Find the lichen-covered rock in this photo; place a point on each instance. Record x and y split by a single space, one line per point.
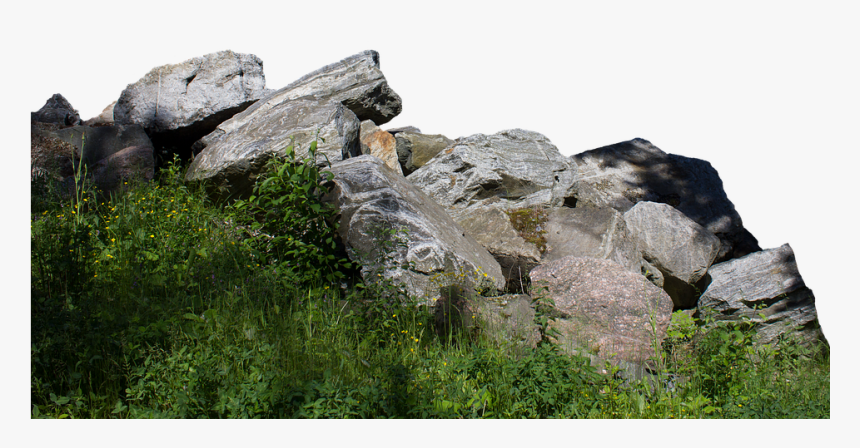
623 174
57 110
232 163
414 149
765 282
378 143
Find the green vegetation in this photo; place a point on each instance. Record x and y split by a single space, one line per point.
157 303
530 224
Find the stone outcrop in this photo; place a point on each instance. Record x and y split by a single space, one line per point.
768 283
378 143
178 104
232 163
675 245
356 81
135 162
414 149
607 309
372 199
100 142
57 110
103 119
592 233
623 174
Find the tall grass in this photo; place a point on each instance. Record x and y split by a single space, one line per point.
156 303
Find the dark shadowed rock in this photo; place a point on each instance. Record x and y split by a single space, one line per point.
57 110
232 163
623 174
511 165
180 103
379 143
356 81
99 142
414 150
608 309
675 245
372 199
395 131
50 156
593 233
132 163
768 280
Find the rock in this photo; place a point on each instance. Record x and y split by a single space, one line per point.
57 110
132 163
233 162
607 309
675 245
103 119
509 165
50 156
101 142
356 81
180 103
414 150
592 233
508 319
623 174
395 131
376 142
373 199
770 280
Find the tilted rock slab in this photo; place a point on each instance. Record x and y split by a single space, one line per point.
372 198
511 165
768 279
232 163
378 143
674 244
414 149
356 81
593 233
57 110
623 174
180 103
104 118
608 309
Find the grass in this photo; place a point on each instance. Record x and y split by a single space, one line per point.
154 303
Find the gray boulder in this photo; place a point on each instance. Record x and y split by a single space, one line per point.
180 103
372 200
767 280
356 81
378 143
414 150
510 165
232 163
605 309
676 246
623 174
395 131
103 119
57 110
593 233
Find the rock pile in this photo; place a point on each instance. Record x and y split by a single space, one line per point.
618 236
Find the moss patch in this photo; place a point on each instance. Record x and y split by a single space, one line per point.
530 224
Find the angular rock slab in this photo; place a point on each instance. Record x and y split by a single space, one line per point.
57 110
414 149
372 198
356 81
511 165
623 174
378 143
591 233
674 244
768 279
181 103
232 163
607 308
103 119
135 162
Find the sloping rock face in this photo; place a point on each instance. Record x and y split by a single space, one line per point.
768 280
592 233
623 174
233 162
57 110
372 198
180 103
378 143
414 149
103 119
607 309
512 165
135 162
356 81
678 247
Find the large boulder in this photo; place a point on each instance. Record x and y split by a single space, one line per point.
356 81
414 149
50 156
623 174
378 143
178 104
768 283
100 142
57 110
510 165
111 173
606 309
233 162
373 200
593 233
675 245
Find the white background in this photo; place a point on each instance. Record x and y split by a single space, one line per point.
767 92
